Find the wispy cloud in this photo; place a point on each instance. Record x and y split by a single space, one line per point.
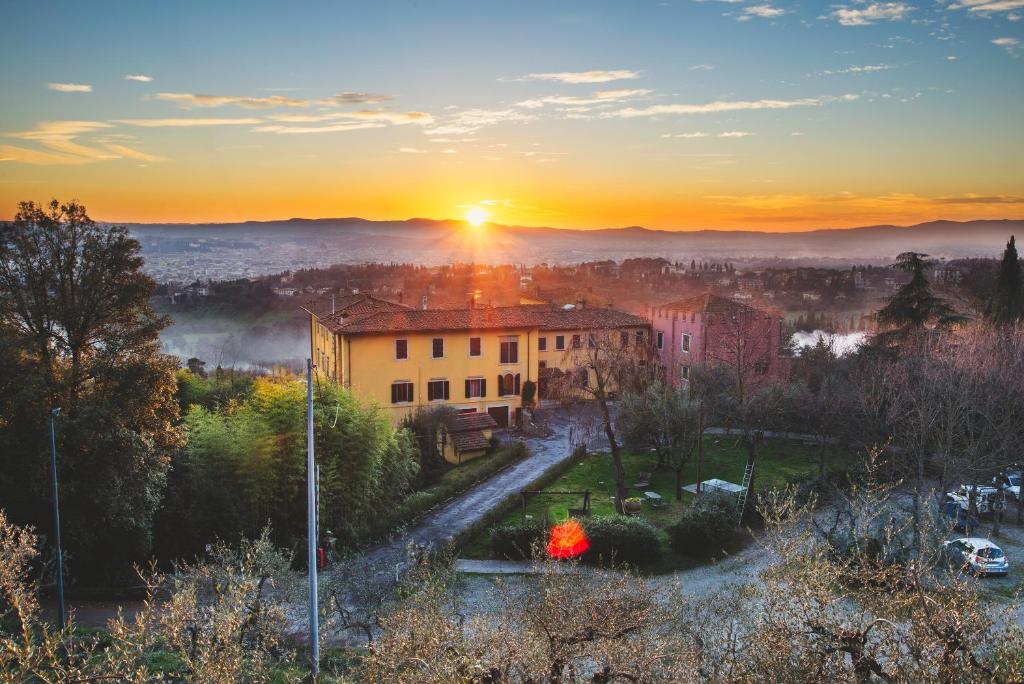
1008 44
701 67
577 77
471 120
59 139
188 100
411 150
377 115
331 128
985 6
728 106
141 78
702 134
865 15
599 97
70 87
866 69
761 11
183 123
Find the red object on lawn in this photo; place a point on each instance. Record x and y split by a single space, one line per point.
567 540
321 558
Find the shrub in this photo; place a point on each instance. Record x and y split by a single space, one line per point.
621 539
516 541
705 526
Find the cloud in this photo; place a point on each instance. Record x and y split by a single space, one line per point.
470 120
376 115
186 100
985 6
70 87
702 134
1009 44
701 67
577 77
599 97
761 11
866 69
871 14
141 78
58 137
728 106
981 199
411 150
181 123
332 128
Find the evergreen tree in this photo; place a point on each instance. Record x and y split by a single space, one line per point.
914 306
1007 305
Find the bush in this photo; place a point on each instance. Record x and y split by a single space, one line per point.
516 541
621 539
705 526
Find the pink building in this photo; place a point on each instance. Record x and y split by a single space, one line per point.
711 330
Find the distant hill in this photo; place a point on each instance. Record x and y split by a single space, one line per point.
428 238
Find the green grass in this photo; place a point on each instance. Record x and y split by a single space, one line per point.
778 462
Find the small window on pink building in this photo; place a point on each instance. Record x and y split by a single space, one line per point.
686 342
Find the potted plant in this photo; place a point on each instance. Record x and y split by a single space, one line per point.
633 504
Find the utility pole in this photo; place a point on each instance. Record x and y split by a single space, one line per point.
311 515
56 517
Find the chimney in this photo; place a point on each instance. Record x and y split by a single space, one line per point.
332 303
423 302
580 302
400 296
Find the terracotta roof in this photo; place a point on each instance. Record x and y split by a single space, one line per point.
350 307
472 440
463 422
708 303
403 319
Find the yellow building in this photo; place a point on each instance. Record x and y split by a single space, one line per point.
474 359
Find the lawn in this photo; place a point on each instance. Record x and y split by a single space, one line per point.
778 462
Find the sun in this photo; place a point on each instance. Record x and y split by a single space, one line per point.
477 216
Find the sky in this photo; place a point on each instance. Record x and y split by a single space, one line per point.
675 114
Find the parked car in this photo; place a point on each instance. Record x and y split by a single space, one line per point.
986 498
978 555
1011 483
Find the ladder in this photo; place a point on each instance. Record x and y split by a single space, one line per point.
741 502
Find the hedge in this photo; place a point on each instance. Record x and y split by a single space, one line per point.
705 526
621 539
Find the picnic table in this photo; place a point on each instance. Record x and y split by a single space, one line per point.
655 499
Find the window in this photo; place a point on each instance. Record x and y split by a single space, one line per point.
624 337
560 342
761 367
401 349
542 344
437 390
661 340
508 385
401 392
476 388
685 372
541 365
576 341
639 336
509 350
438 348
686 342
475 347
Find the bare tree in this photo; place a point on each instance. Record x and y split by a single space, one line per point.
602 365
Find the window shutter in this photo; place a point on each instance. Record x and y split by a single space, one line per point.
501 386
394 393
483 387
517 384
467 389
412 392
446 396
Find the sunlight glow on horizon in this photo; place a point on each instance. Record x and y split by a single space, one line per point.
477 216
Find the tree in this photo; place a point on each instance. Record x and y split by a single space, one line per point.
1007 305
666 419
78 329
914 306
605 364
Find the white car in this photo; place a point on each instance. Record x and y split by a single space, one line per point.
1011 484
978 555
986 498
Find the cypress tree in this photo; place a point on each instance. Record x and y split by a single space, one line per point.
1007 305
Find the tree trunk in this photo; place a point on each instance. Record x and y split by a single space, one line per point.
679 484
997 513
620 472
700 447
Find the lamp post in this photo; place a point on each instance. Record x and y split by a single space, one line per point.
311 518
56 516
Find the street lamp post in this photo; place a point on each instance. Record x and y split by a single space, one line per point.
56 516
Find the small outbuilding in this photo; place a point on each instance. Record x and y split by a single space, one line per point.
465 436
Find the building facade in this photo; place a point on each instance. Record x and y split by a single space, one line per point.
708 330
474 359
